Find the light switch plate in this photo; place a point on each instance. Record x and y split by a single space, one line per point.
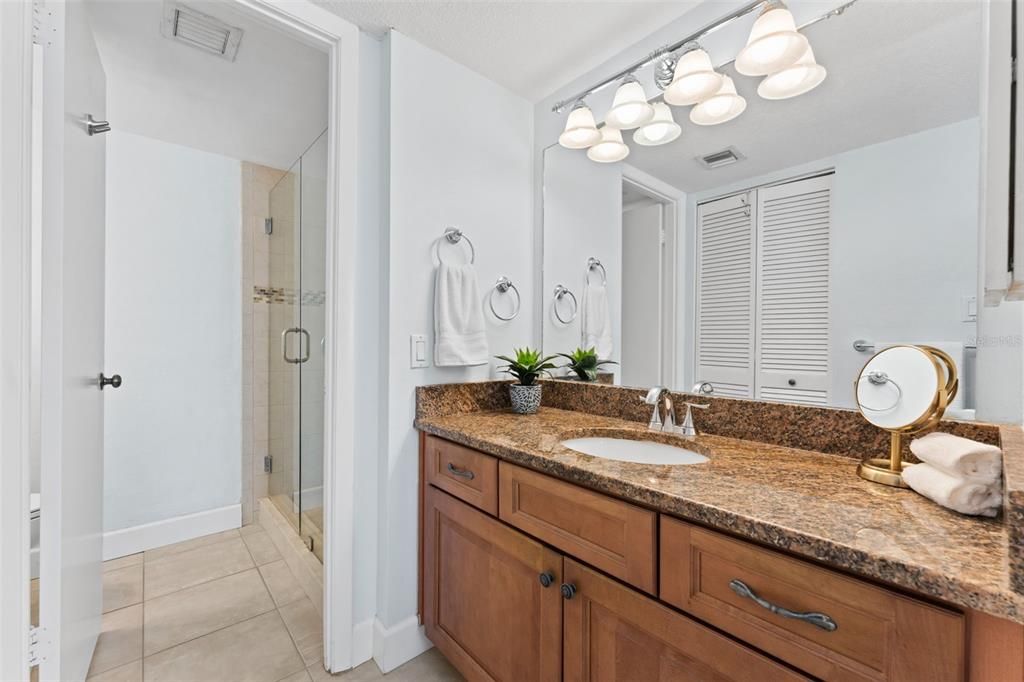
969 308
418 351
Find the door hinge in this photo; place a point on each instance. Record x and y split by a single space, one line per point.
268 225
38 645
268 464
45 27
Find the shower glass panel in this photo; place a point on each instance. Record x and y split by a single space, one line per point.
298 212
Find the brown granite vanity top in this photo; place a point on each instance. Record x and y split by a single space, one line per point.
808 503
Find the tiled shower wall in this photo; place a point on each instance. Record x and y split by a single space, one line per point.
257 182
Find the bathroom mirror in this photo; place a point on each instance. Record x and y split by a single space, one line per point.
773 254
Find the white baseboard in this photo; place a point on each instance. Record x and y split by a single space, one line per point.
118 543
396 645
362 642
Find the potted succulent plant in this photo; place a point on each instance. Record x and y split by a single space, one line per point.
584 363
526 367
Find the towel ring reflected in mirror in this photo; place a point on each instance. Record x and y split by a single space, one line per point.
454 235
595 264
880 379
503 285
561 291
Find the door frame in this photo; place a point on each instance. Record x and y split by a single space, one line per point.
673 285
340 39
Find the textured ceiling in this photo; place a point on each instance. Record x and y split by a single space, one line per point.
530 47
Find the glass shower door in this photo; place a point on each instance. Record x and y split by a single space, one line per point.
297 278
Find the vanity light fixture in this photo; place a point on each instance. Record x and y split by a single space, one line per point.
724 105
610 149
802 77
661 129
774 43
694 79
580 129
630 108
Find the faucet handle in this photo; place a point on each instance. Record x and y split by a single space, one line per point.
699 406
688 428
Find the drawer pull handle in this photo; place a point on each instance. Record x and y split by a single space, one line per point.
816 619
462 473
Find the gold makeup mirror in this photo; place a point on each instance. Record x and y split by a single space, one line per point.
904 390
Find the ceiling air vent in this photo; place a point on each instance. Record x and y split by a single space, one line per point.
719 159
201 31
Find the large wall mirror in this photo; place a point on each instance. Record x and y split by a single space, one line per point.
772 254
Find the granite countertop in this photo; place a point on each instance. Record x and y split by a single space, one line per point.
808 503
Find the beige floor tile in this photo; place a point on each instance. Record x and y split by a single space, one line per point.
429 666
130 672
34 602
122 587
178 547
250 529
261 547
284 588
122 562
305 625
195 566
120 639
256 650
301 676
180 616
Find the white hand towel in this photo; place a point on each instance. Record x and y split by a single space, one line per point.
595 321
958 494
960 457
460 337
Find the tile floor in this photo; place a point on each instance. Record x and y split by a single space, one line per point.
220 608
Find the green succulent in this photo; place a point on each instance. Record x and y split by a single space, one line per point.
585 363
527 365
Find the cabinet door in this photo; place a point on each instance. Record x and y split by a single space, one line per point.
615 634
485 605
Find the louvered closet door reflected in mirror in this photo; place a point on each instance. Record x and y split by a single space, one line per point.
763 292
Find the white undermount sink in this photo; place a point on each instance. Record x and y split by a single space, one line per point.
636 451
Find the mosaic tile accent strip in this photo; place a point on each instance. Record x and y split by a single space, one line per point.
288 296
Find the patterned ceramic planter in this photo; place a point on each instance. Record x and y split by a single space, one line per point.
525 399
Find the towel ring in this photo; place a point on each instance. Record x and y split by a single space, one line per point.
880 379
502 286
560 291
595 264
454 235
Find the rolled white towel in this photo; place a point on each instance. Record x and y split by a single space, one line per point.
958 494
960 457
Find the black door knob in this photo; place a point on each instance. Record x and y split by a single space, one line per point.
792 382
114 381
568 590
546 579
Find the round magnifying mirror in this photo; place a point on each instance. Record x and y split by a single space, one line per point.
903 389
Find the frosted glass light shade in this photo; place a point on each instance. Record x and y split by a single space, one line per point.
610 149
802 77
580 129
723 106
694 79
630 108
661 129
774 44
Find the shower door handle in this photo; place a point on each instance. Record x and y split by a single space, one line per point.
303 348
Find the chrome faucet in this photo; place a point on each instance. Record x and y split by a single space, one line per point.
689 428
664 417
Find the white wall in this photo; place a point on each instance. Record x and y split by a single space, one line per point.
642 293
173 331
582 218
460 154
904 243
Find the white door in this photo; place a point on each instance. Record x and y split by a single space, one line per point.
641 295
725 295
794 222
71 402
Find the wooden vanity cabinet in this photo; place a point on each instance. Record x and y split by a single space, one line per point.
486 606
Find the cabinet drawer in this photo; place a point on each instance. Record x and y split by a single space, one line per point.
616 537
465 473
878 634
613 633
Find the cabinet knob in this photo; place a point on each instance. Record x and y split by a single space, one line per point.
792 382
568 590
546 579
